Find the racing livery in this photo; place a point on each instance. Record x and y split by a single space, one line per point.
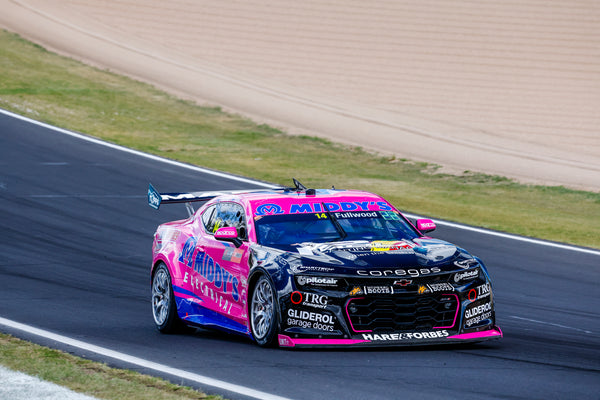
299 267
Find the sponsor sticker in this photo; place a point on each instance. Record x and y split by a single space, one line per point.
390 215
212 273
383 245
356 291
405 336
343 207
309 319
355 214
268 209
466 264
309 299
478 310
232 254
483 291
153 197
412 272
466 275
316 281
304 268
477 314
435 287
378 290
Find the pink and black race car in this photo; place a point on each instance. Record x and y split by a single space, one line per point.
304 267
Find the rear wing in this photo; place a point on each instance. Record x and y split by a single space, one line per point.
155 199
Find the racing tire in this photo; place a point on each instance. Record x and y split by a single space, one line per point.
164 309
264 318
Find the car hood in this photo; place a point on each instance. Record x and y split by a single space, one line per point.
356 257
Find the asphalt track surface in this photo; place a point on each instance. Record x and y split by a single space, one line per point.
76 237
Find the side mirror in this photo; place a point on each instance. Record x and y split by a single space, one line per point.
425 225
228 234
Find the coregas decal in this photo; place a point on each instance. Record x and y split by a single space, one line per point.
399 272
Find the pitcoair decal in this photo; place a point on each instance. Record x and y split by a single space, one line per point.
466 275
316 281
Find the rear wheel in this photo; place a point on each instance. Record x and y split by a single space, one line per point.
263 313
164 308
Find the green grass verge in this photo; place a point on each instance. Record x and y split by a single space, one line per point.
89 377
69 94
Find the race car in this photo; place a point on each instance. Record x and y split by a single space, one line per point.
300 267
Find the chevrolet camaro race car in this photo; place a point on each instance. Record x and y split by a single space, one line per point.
299 267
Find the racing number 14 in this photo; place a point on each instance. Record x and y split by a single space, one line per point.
321 216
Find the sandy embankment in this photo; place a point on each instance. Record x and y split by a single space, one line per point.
505 88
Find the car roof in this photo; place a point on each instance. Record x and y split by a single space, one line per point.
307 201
311 194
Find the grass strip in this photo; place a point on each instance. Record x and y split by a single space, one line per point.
69 94
88 377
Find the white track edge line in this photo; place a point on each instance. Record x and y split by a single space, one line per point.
240 179
511 236
201 379
136 152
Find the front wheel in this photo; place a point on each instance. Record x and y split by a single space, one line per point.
263 313
164 308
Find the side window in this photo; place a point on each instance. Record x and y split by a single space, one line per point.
208 219
230 214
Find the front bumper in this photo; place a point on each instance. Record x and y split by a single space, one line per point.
402 339
432 310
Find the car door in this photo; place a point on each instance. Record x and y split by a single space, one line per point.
225 266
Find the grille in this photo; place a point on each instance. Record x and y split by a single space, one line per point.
406 312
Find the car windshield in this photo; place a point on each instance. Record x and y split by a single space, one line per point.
285 230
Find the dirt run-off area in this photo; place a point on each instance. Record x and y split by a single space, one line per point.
508 88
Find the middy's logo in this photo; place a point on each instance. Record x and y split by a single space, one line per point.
268 209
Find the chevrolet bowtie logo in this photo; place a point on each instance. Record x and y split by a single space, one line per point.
403 282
